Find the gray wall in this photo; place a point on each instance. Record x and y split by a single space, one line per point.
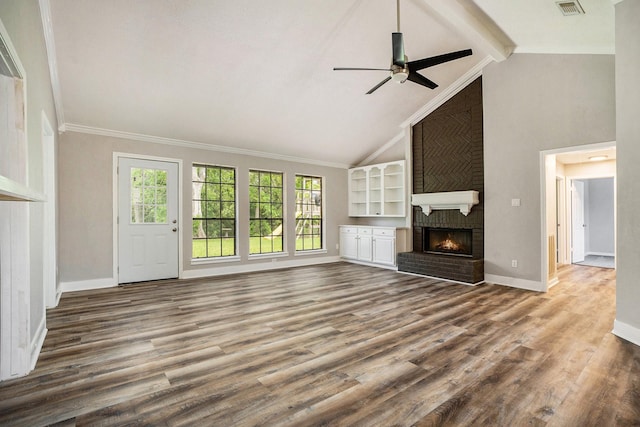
22 20
628 153
86 201
535 102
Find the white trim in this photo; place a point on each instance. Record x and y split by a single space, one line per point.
515 282
85 285
268 255
255 267
49 247
465 23
448 92
310 252
116 157
568 50
544 249
441 279
215 260
38 341
615 2
70 127
50 45
626 332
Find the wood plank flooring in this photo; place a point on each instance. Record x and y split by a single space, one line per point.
339 344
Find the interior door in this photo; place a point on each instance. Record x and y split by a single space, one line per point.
577 221
147 220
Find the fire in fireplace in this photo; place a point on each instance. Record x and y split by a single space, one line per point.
448 241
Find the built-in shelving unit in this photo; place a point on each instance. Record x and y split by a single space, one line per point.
377 190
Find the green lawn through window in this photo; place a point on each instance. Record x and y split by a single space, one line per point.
224 247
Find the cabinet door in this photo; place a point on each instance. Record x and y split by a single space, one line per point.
348 245
365 252
384 250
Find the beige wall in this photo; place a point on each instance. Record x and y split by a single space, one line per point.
532 103
22 20
86 201
628 154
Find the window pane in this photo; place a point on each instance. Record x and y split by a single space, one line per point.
308 213
149 177
228 210
149 213
213 200
228 192
265 211
161 214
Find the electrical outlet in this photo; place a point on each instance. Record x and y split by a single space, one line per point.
515 202
514 263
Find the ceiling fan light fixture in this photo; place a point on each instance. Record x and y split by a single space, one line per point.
399 75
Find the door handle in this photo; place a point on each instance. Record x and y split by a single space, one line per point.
174 229
174 221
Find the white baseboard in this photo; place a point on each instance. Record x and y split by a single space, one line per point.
85 285
626 332
251 267
38 341
514 282
600 254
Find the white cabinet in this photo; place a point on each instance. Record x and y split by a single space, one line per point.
384 246
377 190
377 245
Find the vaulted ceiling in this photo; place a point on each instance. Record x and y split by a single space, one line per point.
257 76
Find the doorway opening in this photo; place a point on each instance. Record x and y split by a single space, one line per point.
578 208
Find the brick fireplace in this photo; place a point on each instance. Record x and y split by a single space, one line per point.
447 148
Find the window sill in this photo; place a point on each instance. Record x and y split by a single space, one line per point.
217 260
311 252
269 255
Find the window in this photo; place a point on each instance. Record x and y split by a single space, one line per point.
148 196
265 212
308 213
214 211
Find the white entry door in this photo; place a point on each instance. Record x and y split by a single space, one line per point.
147 220
577 221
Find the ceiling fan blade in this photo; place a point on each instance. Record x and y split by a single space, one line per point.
398 49
422 80
360 69
373 89
421 64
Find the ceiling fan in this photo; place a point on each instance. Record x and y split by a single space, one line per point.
402 69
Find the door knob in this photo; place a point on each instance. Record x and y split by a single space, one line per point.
174 221
174 229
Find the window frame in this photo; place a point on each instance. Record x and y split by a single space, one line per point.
283 218
323 210
216 258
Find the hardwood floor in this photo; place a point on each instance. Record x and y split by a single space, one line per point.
338 344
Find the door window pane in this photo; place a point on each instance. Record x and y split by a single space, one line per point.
148 196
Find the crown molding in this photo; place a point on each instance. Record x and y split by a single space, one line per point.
448 92
47 29
615 2
70 127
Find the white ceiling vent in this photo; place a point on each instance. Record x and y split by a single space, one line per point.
569 8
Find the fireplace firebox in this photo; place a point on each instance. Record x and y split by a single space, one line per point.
448 241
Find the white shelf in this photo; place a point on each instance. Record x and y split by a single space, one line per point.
381 181
13 191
